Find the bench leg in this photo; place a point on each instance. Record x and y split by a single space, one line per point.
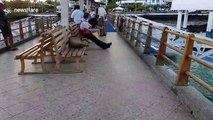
57 64
35 61
77 64
22 66
43 65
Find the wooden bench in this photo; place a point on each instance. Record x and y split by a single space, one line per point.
37 51
63 51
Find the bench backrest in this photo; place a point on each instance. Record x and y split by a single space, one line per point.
46 40
74 29
60 39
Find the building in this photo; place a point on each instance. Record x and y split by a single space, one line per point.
127 2
147 2
154 2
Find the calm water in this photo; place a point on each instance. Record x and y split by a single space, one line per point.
200 71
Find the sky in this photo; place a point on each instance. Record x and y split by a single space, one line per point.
192 5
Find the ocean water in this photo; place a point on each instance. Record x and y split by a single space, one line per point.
197 69
200 71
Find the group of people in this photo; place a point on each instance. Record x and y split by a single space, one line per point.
5 28
91 22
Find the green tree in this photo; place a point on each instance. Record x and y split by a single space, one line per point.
17 4
111 4
140 7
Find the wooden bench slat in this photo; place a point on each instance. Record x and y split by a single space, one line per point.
75 52
26 51
80 52
70 52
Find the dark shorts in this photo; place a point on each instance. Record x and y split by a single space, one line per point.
6 31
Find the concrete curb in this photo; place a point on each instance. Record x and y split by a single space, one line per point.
200 107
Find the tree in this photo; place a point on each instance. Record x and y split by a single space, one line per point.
17 4
111 4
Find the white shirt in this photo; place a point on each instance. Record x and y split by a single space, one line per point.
92 14
77 15
85 25
101 12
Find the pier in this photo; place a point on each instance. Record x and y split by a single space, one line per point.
121 83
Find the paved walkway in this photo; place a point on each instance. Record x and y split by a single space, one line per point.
115 85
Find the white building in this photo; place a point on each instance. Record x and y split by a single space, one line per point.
154 2
126 2
147 2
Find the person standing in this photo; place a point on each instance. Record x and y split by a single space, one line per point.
102 17
85 30
77 15
5 28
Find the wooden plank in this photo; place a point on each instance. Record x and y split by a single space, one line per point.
27 50
210 43
201 62
162 48
75 52
201 82
185 64
81 51
70 52
58 38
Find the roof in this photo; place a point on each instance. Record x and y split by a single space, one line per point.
192 5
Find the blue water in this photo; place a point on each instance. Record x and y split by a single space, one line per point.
200 71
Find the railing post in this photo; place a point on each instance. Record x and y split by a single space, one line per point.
137 43
47 22
36 25
125 26
182 79
42 21
117 23
128 29
21 30
162 48
132 35
29 27
113 20
148 39
51 23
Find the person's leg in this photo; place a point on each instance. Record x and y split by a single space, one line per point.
104 28
12 46
101 24
5 37
98 42
6 42
8 38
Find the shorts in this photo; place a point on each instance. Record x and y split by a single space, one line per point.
6 31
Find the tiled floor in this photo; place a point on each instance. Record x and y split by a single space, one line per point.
115 85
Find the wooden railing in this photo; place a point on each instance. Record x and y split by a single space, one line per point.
132 30
27 28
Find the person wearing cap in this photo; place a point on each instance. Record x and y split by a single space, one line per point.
5 28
